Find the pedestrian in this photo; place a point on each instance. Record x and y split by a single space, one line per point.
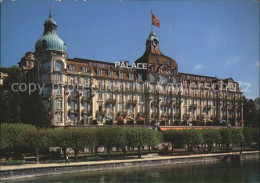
67 160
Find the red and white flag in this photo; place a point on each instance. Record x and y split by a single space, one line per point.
155 21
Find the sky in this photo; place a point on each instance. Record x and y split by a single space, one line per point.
212 38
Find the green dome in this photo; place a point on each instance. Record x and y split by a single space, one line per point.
50 40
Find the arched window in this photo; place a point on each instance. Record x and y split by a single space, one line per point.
58 66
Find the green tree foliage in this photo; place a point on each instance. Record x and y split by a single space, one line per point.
10 100
192 138
36 139
248 135
175 137
80 138
227 137
211 137
33 110
138 137
251 113
9 137
238 138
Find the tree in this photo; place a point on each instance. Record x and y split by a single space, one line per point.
227 136
192 137
238 138
9 137
175 137
36 139
10 99
251 113
138 137
34 111
211 137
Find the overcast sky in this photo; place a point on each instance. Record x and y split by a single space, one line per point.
219 38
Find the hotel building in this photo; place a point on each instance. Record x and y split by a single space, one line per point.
84 92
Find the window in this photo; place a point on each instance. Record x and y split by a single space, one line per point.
44 78
85 82
99 72
85 118
46 103
110 73
85 93
120 75
140 108
59 90
156 61
45 92
99 95
131 96
169 62
72 117
140 76
121 96
44 44
94 64
121 107
111 107
72 105
111 85
130 75
104 65
72 80
141 98
131 108
121 86
153 108
100 84
85 106
59 104
59 117
58 77
110 95
84 69
140 87
72 93
58 66
152 78
71 67
164 80
131 86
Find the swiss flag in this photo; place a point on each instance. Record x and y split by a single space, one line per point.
155 21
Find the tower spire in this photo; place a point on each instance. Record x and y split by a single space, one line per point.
50 10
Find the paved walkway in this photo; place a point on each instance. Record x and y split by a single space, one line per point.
144 158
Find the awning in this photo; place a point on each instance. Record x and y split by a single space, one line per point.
140 119
108 117
90 117
163 119
242 121
119 118
129 118
223 121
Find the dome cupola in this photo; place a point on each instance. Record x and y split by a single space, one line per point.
50 40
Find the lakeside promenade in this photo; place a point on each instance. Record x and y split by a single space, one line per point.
30 170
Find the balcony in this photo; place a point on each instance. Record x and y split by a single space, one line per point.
111 101
133 102
193 106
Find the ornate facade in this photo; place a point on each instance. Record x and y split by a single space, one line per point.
82 92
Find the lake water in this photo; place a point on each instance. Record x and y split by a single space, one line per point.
243 171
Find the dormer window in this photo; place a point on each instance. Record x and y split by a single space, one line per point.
104 65
156 61
169 62
84 69
99 72
94 64
71 67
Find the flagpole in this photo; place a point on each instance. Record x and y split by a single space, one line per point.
151 21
